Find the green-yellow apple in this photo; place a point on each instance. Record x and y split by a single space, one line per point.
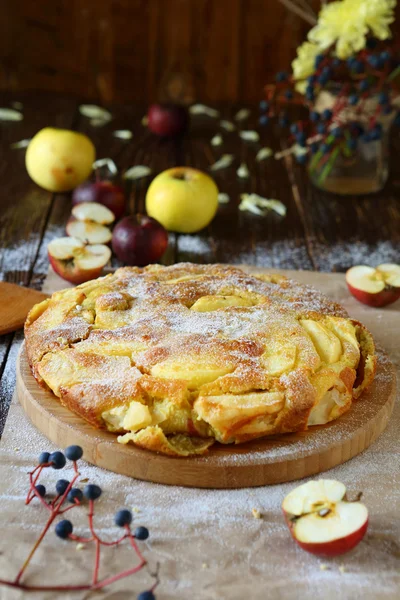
182 199
59 159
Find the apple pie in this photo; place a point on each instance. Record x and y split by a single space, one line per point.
175 358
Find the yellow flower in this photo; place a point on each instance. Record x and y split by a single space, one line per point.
348 22
304 65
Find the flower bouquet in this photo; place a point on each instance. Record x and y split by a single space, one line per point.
345 75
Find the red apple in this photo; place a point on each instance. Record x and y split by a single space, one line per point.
139 240
76 261
321 520
104 192
374 287
167 120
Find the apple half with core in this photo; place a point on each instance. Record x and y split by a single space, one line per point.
59 159
89 223
167 120
182 199
374 286
75 261
321 520
139 240
102 192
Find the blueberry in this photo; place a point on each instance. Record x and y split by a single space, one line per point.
364 85
263 120
314 116
336 62
327 115
383 98
288 94
75 494
281 76
146 596
385 56
302 159
44 458
376 132
314 147
41 490
92 492
358 67
57 460
321 128
373 60
350 61
294 128
123 517
351 144
353 99
264 105
61 486
141 533
357 129
63 529
337 132
323 79
310 94
318 60
283 121
301 138
73 452
325 148
366 137
312 79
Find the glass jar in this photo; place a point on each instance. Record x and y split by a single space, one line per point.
362 171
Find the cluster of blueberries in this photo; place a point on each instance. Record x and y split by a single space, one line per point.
353 131
122 518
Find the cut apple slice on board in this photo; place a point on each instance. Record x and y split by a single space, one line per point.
93 211
321 520
374 286
88 231
75 261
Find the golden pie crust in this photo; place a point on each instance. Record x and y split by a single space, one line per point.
174 358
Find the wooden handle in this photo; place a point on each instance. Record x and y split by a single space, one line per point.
15 303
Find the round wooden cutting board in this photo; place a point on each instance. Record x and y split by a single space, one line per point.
266 461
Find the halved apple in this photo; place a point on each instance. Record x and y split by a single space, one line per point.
88 231
321 520
76 261
374 287
93 211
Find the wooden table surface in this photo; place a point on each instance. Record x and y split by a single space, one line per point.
320 231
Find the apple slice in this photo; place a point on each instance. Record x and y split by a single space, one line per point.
374 287
321 520
93 211
76 261
88 231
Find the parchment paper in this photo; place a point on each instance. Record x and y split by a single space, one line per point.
208 543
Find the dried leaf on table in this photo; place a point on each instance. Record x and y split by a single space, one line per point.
20 144
223 198
264 153
216 140
227 125
242 114
137 172
225 161
260 206
202 109
9 114
92 111
123 134
106 162
249 135
243 171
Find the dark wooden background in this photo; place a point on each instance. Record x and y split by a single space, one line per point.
141 50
